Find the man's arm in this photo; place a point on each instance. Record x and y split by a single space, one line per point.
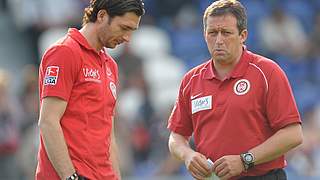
114 155
281 142
278 144
195 162
51 111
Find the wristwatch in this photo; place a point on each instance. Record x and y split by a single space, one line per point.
73 176
247 159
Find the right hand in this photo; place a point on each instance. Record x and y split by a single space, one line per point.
197 165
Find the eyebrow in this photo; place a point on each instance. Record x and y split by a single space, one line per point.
128 27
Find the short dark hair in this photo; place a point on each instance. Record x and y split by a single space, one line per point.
113 8
222 7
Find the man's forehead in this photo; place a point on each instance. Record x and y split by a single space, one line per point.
225 21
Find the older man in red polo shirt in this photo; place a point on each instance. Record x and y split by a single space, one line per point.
77 85
238 106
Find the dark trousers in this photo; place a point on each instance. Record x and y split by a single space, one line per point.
276 174
82 178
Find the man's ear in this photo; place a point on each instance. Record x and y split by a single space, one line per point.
102 15
244 36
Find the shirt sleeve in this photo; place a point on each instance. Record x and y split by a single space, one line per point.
180 120
60 69
281 106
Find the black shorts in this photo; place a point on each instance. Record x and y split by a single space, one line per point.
276 174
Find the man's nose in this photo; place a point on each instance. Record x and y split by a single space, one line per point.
127 37
219 39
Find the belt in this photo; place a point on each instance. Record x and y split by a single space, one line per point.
276 174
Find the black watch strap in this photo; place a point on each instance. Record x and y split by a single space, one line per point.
73 176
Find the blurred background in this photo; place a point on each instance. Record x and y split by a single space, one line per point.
168 43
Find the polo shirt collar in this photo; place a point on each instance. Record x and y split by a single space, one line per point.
77 36
239 70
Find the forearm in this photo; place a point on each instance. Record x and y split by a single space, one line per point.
179 146
278 144
115 158
114 151
56 149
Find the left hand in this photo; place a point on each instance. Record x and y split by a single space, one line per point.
228 166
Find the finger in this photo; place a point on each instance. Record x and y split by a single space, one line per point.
196 170
226 176
217 163
196 176
219 168
202 166
223 172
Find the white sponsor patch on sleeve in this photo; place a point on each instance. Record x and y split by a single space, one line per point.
200 104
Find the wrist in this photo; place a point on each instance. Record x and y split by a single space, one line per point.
248 160
73 176
186 154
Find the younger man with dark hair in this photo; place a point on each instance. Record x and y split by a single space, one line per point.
77 86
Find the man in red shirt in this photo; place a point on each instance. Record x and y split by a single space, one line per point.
238 106
77 86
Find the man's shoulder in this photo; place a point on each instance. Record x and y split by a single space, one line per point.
63 46
263 62
197 70
195 73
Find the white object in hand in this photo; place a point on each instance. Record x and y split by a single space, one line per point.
213 176
210 163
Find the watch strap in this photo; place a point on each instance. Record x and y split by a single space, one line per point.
73 176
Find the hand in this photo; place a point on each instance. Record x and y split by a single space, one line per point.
228 166
197 165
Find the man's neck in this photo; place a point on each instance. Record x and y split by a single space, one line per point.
224 70
89 32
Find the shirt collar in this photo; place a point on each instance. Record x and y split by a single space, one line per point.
77 36
239 70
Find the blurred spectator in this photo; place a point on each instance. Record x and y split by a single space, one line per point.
167 9
29 129
315 37
9 131
3 5
187 38
282 34
33 17
29 96
305 160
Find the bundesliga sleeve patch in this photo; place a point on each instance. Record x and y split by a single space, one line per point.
51 76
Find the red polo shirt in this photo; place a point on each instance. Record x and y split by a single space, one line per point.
232 116
86 79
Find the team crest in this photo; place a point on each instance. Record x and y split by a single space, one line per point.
113 89
241 87
51 76
108 71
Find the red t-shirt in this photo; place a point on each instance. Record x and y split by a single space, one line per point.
232 116
86 79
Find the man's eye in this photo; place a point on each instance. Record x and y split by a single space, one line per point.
212 32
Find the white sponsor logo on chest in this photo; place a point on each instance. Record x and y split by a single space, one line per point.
200 104
91 74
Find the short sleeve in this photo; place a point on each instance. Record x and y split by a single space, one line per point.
180 120
281 106
58 72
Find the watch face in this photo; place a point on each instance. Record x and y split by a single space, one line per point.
248 158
